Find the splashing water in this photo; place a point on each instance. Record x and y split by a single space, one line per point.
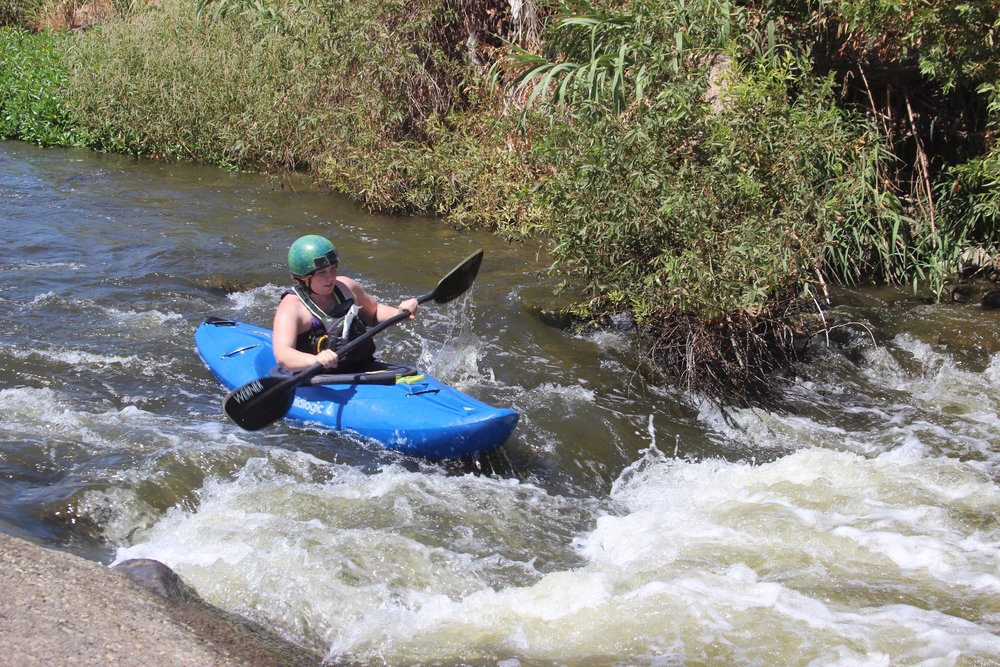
857 525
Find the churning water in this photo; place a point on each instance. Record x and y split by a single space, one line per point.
622 524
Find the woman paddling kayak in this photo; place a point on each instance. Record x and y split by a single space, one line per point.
325 310
398 407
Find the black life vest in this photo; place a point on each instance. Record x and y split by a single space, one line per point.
327 331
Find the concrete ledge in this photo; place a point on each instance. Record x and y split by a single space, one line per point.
59 609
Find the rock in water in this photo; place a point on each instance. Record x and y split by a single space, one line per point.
991 299
158 578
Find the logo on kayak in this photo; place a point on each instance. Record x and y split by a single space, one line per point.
313 407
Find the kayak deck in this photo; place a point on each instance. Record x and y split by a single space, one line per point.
417 415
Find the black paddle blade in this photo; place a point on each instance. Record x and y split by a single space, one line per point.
259 403
459 279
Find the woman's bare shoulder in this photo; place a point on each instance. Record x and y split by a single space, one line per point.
291 308
349 283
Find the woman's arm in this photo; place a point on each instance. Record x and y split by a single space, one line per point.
290 319
373 312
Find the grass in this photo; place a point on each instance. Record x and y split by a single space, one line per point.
225 92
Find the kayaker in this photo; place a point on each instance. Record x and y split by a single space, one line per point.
325 310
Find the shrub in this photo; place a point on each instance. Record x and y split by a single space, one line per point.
670 209
33 78
475 169
706 222
925 72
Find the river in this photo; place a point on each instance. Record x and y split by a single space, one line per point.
623 523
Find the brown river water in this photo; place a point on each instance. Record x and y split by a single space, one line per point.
624 523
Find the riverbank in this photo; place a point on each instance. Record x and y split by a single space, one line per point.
56 608
679 173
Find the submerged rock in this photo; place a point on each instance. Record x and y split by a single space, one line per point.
991 299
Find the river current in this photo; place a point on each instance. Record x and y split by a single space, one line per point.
624 523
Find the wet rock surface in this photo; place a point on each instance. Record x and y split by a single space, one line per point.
56 608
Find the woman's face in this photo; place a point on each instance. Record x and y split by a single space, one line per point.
323 280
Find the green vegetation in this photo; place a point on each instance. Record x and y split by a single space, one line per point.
923 73
414 131
19 12
33 78
169 85
705 167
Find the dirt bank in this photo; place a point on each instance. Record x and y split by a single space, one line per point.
58 609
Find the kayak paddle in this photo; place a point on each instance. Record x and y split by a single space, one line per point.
266 400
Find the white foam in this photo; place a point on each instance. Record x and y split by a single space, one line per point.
265 297
137 320
821 556
904 394
81 358
609 339
323 548
96 426
42 266
550 393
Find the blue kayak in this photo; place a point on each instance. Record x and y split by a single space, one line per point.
401 409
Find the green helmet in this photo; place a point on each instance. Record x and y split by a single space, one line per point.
311 253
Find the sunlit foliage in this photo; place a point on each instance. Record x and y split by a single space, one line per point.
706 167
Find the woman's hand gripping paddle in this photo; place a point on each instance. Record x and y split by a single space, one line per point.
266 400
